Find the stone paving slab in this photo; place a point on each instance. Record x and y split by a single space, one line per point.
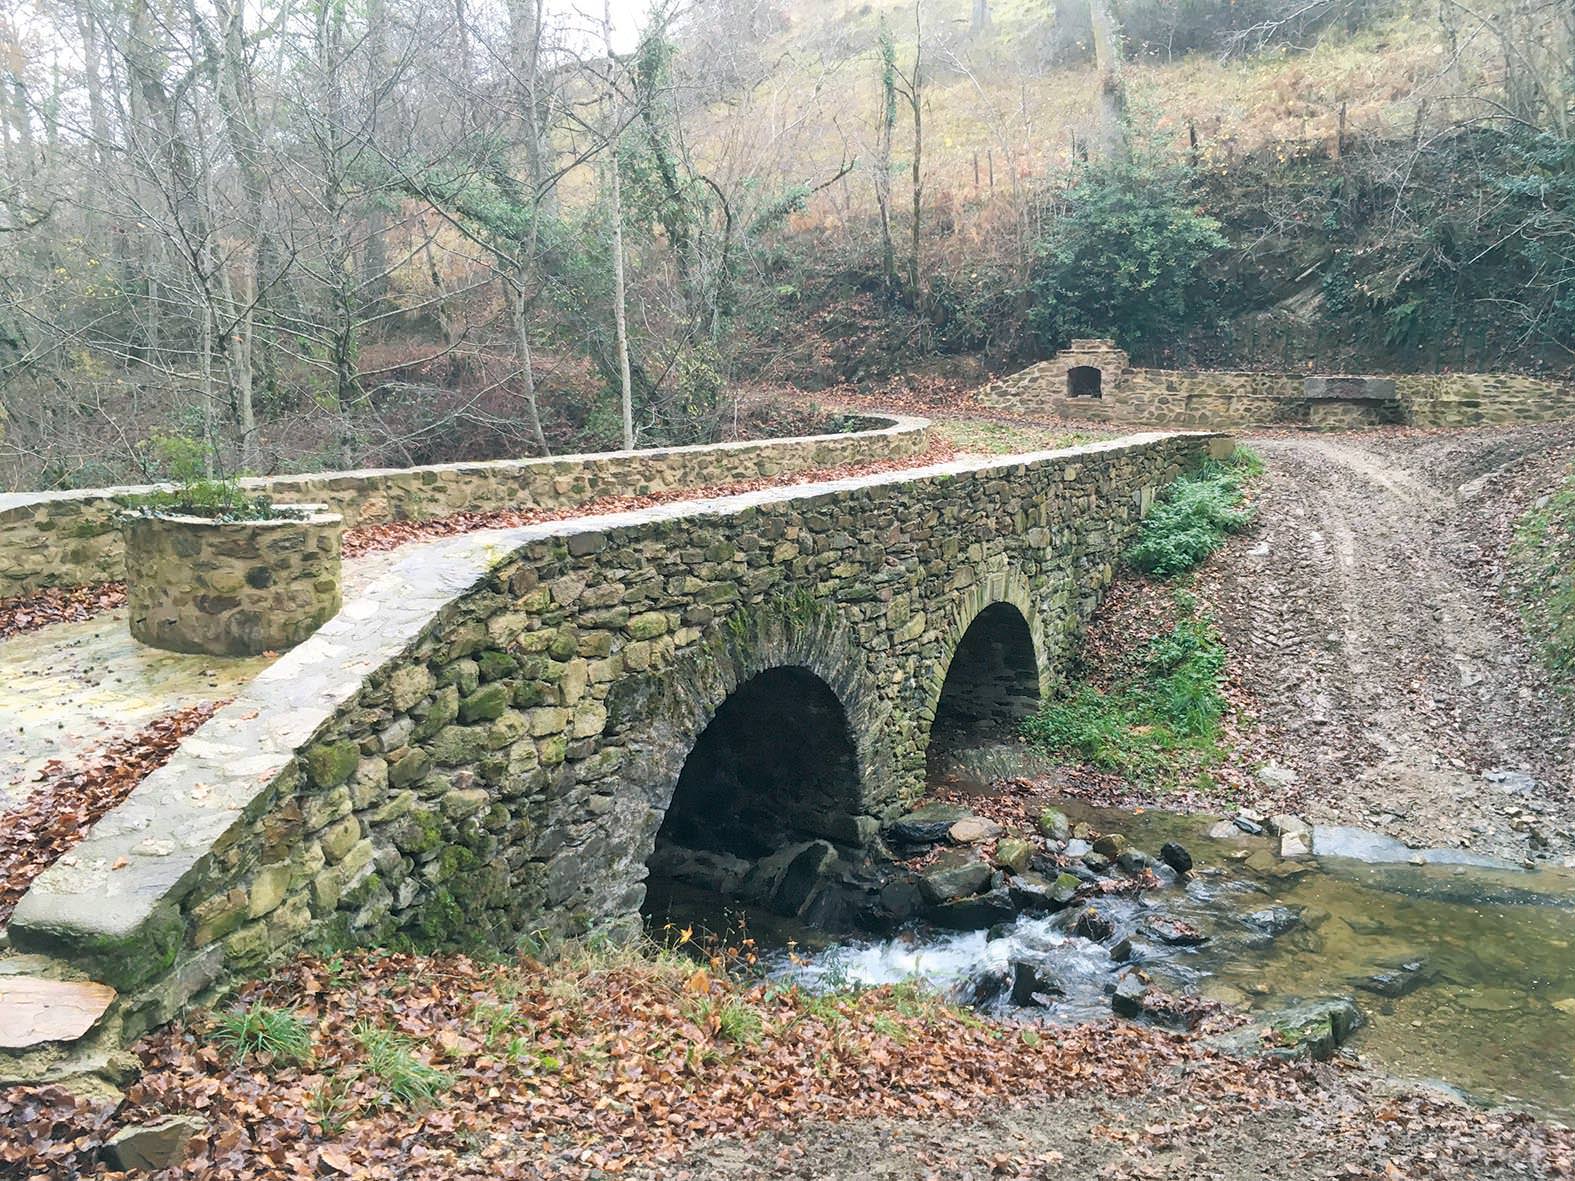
39 1011
69 689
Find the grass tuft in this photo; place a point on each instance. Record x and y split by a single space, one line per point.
391 1058
259 1029
1164 716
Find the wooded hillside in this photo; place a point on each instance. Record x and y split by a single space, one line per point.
297 237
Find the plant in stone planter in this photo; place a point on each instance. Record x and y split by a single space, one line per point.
212 567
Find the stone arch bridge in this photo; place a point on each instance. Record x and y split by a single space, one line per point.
487 743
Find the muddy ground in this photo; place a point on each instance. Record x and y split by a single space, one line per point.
1367 619
1338 1128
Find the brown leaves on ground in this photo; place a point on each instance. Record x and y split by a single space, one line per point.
58 605
615 1062
374 538
58 813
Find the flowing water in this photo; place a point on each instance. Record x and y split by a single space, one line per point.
1489 953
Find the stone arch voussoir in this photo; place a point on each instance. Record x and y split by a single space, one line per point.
679 702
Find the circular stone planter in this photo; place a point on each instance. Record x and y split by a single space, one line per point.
231 588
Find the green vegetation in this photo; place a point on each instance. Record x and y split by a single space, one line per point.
259 1029
1195 515
1129 259
391 1058
1161 718
218 500
1542 558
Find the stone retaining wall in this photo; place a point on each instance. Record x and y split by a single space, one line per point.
72 539
1136 396
485 743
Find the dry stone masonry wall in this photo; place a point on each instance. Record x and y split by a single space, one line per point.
484 745
1129 395
73 539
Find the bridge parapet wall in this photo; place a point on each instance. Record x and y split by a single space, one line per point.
485 743
72 538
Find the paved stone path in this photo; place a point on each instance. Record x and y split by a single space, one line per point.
71 688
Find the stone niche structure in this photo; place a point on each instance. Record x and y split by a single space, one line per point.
232 588
1345 403
1093 380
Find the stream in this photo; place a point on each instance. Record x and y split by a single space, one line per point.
1463 970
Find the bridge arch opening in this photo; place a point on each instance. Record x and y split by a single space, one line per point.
772 773
1084 381
992 682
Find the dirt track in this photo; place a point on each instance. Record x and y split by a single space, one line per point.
1390 675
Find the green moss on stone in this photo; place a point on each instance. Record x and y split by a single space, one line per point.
329 764
485 703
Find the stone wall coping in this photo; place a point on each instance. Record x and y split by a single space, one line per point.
893 424
141 856
315 514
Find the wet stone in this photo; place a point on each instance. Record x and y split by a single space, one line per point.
926 825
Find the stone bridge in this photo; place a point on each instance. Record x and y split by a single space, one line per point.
488 743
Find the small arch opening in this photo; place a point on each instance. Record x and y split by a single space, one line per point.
1085 381
991 685
774 771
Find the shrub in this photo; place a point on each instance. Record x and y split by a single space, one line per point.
260 1029
1195 515
1128 259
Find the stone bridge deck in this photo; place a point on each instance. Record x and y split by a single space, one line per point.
485 742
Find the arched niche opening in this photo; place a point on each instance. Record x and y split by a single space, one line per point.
991 685
1084 381
773 773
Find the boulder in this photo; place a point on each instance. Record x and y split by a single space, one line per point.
1121 950
1285 824
1031 891
1013 853
1274 921
153 1146
926 825
957 874
1065 888
1274 775
1077 847
971 830
1172 931
1054 824
1110 845
1097 862
1315 1029
1294 845
1031 985
1133 861
1248 825
1176 856
1127 1000
1090 924
787 879
974 914
1395 982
